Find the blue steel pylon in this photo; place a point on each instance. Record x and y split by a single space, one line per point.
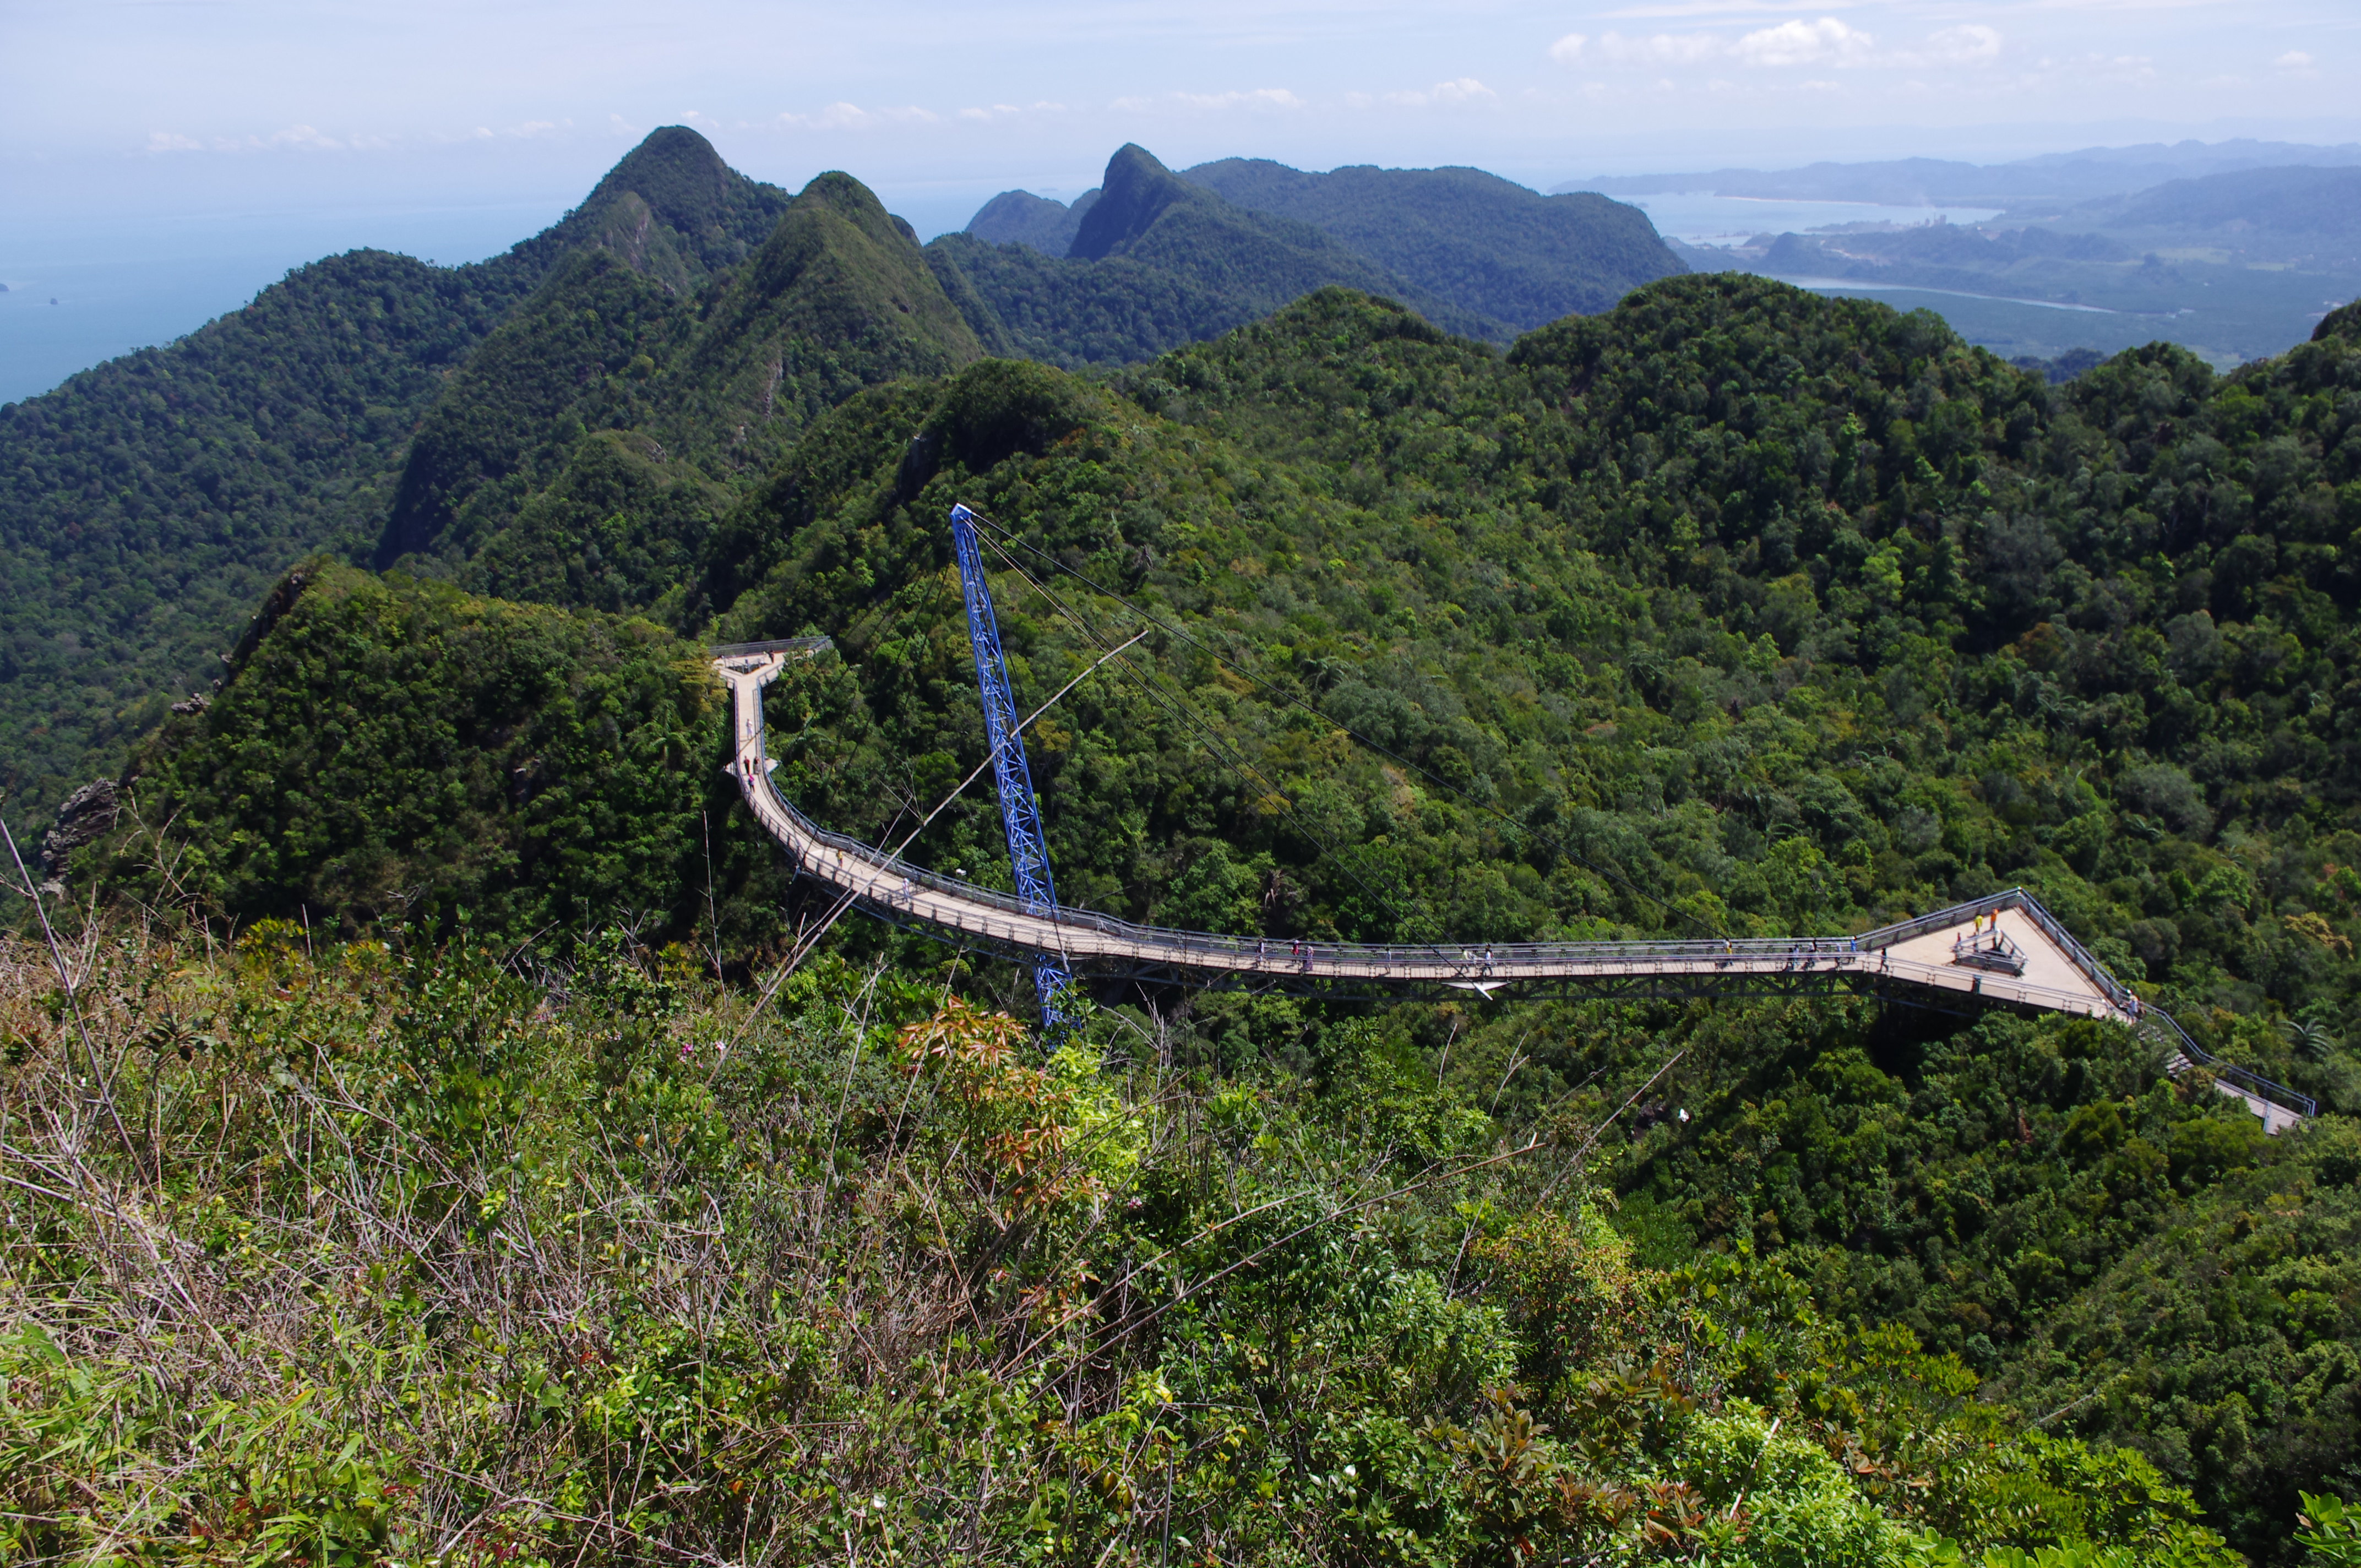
1028 852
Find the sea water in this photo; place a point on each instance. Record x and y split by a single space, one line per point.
1733 220
81 295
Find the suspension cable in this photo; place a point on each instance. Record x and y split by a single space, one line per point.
1291 700
1177 705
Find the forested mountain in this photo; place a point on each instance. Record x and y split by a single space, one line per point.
1461 235
1155 261
1019 217
1938 254
401 413
671 209
145 505
836 297
1734 610
2297 215
1151 260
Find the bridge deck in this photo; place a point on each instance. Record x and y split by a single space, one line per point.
2056 974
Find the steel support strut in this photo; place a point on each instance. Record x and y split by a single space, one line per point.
1020 813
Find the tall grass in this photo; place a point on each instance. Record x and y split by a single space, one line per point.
447 1255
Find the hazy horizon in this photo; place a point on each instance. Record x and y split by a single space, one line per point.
200 106
125 279
161 161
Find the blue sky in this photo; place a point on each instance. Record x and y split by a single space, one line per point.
107 108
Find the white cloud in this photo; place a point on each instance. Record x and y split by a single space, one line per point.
1796 43
2091 68
840 117
2132 4
304 136
2296 62
1465 90
1009 111
1662 48
1258 98
1669 9
1971 44
1825 42
301 138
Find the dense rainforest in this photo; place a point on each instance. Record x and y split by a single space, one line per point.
1151 260
146 504
522 1172
1521 258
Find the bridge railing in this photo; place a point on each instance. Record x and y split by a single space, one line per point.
2098 974
2166 1025
777 645
1468 961
2163 1022
1502 960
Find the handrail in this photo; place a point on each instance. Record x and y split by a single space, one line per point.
1943 920
1505 961
2244 1078
1504 956
887 883
780 645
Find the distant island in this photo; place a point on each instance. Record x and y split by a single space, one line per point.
2235 250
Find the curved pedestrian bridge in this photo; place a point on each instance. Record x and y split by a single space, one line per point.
2005 948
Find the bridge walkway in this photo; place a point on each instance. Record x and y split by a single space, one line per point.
2005 948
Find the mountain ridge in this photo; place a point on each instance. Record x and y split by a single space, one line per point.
1019 217
1155 261
2053 179
1736 608
398 397
670 208
838 295
1520 257
147 502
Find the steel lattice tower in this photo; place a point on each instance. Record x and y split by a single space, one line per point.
1029 851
